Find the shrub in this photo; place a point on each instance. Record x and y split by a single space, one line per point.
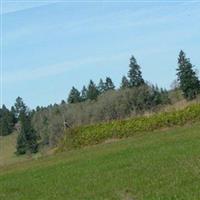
93 134
111 105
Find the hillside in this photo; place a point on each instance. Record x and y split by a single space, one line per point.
92 134
159 165
7 148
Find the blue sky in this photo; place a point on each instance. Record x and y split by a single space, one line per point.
50 46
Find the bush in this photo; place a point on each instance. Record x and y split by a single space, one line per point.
93 134
111 105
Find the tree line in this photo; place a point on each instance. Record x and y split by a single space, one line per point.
186 76
94 103
19 119
91 92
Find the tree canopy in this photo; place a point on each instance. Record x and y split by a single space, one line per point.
135 74
187 77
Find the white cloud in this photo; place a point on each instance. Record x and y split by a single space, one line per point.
56 69
10 6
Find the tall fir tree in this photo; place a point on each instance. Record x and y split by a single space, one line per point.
62 102
125 83
14 114
19 107
109 85
135 74
101 86
84 94
27 137
6 121
92 91
74 96
187 77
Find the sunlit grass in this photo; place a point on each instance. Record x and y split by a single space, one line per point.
159 165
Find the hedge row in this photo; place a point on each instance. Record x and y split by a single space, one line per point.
93 134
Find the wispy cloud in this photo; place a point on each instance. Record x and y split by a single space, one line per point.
112 21
56 69
10 6
116 20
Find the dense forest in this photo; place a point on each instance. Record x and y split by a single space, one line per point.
96 103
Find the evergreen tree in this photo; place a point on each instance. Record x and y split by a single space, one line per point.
109 85
6 121
19 107
101 86
125 83
187 77
62 102
84 94
38 108
92 91
27 138
156 95
14 114
135 74
74 96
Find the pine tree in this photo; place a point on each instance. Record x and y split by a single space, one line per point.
19 107
109 85
92 91
101 86
84 94
6 121
187 77
156 95
135 74
125 83
62 102
14 114
27 138
74 96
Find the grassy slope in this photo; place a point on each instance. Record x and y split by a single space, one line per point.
7 149
161 165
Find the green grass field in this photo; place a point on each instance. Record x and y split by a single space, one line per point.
7 149
162 165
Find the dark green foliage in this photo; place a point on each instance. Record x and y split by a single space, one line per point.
7 120
109 85
101 86
105 86
27 138
74 96
187 77
63 102
84 94
92 91
21 143
160 96
14 114
125 83
19 107
135 74
93 134
135 97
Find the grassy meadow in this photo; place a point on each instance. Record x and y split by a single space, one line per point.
7 150
148 166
